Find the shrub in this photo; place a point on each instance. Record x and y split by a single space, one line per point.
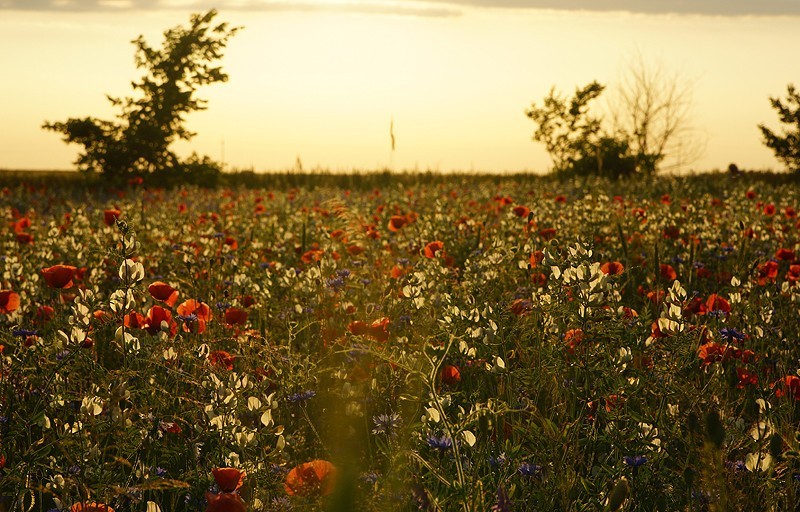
787 146
138 142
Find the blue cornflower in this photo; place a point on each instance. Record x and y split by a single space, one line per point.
736 465
730 334
528 469
386 423
161 472
222 306
23 333
188 319
343 272
370 477
635 461
497 461
336 283
62 355
302 396
443 443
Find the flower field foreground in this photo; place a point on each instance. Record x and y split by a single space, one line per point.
496 344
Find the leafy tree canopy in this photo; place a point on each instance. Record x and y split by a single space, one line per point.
138 141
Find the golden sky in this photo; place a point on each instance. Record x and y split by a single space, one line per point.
322 80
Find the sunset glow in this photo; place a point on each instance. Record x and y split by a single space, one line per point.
321 81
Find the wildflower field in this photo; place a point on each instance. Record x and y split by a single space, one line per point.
465 343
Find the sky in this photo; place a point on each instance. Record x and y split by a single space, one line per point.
319 83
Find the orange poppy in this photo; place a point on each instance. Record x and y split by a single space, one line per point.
110 216
163 292
432 248
157 317
767 272
59 276
310 478
24 238
785 254
9 301
396 222
225 502
547 233
521 211
228 479
612 268
717 303
222 359
667 272
573 338
90 507
200 310
134 320
450 375
791 387
235 316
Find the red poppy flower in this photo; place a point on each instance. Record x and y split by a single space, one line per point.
573 338
767 272
396 222
379 329
24 238
717 303
200 310
769 210
746 378
696 306
785 254
159 318
231 242
521 211
667 272
312 256
222 359
228 479
791 387
547 233
21 224
432 248
311 478
612 268
225 502
712 352
9 301
450 375
536 258
59 276
110 216
793 274
134 320
235 316
163 292
90 507
614 402
45 313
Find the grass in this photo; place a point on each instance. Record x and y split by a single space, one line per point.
506 367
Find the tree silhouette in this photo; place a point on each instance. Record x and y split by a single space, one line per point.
138 141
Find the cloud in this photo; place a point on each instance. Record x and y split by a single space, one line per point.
403 7
424 7
701 7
